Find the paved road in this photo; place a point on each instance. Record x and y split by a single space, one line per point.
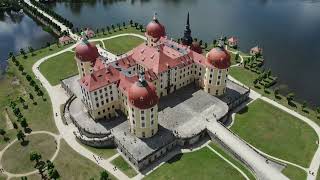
263 170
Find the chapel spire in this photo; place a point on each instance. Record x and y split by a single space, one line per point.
187 39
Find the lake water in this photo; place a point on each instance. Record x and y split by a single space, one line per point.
288 30
17 31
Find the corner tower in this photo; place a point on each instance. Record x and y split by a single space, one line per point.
154 31
143 108
218 63
86 55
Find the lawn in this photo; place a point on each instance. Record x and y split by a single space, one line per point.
233 160
247 77
73 166
121 164
203 164
59 67
121 45
3 177
16 159
103 152
127 29
294 173
276 132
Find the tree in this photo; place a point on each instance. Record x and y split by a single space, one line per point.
21 136
104 175
141 27
102 29
108 29
48 45
304 105
112 26
49 165
131 22
31 50
24 178
318 110
237 56
22 100
22 52
10 54
290 97
15 126
34 156
20 68
276 92
31 97
53 174
24 123
214 42
124 24
2 132
28 77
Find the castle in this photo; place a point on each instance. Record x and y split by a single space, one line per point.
150 71
157 98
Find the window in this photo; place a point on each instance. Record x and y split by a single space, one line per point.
151 115
143 134
95 93
112 106
152 132
104 111
143 125
99 113
142 112
97 105
152 122
106 94
105 89
111 98
96 98
110 87
142 118
151 109
219 77
218 83
101 97
133 122
102 103
209 81
110 91
100 91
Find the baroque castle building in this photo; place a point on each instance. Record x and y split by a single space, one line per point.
136 82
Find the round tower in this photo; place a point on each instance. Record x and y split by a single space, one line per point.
218 63
154 31
86 55
143 108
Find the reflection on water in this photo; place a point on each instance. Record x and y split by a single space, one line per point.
19 31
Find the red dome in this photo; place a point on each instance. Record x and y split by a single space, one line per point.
219 58
195 46
143 96
87 52
155 29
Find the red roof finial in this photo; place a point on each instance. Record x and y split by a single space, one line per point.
155 16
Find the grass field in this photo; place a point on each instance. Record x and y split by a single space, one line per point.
294 173
73 166
203 164
127 29
234 161
247 77
276 132
121 45
39 115
59 67
103 152
16 159
121 164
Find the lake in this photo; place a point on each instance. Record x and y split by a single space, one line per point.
287 30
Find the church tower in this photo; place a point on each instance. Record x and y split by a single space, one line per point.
187 39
